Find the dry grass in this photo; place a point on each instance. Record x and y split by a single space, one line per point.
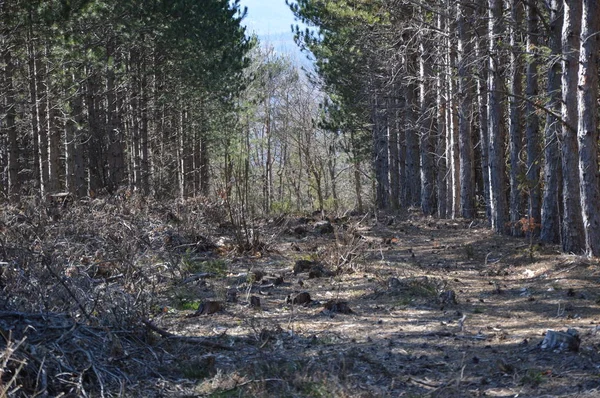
97 298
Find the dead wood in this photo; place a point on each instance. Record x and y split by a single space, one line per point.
185 339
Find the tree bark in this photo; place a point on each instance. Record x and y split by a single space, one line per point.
515 121
116 163
533 138
482 111
442 139
550 221
587 129
427 127
14 183
573 236
54 134
38 118
413 182
499 209
465 105
380 154
394 151
452 127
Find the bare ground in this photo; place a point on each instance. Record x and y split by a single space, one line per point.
401 307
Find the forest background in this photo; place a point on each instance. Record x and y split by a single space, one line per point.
157 161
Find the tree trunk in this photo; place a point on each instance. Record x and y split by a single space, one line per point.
573 237
14 183
587 129
54 136
532 121
465 105
413 182
394 153
204 167
38 124
443 74
94 145
515 119
484 140
452 149
267 172
144 123
380 155
550 228
426 130
499 209
116 163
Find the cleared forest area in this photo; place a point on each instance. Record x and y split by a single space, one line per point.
184 212
129 298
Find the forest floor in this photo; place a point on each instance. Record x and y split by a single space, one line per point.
158 303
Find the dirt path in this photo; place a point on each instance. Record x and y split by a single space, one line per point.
439 308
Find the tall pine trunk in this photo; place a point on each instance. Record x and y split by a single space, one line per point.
550 221
587 129
465 105
413 182
573 237
442 101
532 129
497 134
380 154
427 127
482 111
394 153
515 121
14 183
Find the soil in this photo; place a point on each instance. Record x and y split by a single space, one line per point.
403 306
402 337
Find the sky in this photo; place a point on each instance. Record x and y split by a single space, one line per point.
271 20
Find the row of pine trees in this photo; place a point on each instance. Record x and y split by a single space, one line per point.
471 106
464 109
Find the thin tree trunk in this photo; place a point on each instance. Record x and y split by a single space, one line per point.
14 183
204 167
484 140
38 125
443 74
426 131
400 126
413 182
394 154
94 145
54 137
587 129
75 143
453 149
465 105
116 163
496 130
532 121
573 237
515 119
550 228
144 123
380 155
267 173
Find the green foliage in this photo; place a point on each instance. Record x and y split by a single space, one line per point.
532 377
194 266
282 207
185 299
342 59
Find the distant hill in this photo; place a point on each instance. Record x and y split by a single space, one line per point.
283 42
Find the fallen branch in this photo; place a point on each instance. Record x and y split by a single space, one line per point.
185 339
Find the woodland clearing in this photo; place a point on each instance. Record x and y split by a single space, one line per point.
128 298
